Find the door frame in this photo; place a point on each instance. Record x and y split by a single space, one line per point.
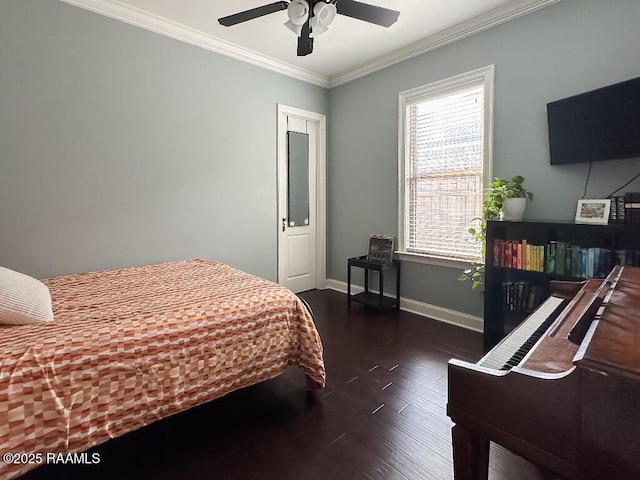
320 120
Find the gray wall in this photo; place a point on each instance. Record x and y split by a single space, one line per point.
561 50
119 146
122 147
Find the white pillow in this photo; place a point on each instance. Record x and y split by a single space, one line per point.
23 299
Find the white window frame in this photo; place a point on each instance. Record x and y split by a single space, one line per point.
487 75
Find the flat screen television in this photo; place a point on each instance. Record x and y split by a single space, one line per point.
603 124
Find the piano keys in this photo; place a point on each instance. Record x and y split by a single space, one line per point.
573 408
512 350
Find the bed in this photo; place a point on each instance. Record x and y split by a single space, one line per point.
131 346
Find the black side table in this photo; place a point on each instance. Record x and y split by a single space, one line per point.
379 300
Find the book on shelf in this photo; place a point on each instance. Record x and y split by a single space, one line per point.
561 258
497 252
605 265
575 261
621 257
550 257
568 257
593 257
613 212
631 257
540 258
522 296
617 212
632 207
621 215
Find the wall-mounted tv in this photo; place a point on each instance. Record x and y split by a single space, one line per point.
603 124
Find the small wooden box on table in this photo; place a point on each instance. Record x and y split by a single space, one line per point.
368 298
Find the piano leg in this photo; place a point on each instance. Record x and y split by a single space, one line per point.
470 454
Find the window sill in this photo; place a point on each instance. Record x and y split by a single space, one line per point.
433 260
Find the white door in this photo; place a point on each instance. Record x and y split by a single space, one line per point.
299 148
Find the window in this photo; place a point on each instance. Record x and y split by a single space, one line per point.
445 158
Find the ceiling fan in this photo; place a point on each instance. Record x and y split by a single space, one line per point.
310 18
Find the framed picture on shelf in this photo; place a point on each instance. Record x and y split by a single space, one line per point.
380 248
593 211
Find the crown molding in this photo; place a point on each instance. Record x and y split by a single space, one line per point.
154 23
458 32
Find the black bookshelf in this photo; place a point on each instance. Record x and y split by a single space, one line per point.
517 280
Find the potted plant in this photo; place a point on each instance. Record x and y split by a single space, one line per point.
499 193
510 196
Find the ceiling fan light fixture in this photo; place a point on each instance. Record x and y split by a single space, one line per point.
323 15
307 23
316 29
297 29
298 13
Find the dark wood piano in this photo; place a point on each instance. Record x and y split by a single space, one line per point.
562 389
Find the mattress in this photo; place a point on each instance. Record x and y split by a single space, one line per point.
134 345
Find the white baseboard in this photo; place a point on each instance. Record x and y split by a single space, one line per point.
464 320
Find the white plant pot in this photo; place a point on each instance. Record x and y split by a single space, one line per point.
513 208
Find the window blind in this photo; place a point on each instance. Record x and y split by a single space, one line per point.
444 169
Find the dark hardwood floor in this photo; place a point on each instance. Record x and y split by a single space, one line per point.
382 414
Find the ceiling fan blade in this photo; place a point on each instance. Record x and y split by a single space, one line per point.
305 42
252 13
368 13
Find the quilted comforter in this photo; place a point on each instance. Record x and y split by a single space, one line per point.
131 346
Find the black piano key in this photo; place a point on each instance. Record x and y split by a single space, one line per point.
517 357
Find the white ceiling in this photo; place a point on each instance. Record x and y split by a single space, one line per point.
349 49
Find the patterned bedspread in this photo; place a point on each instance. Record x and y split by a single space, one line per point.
134 345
